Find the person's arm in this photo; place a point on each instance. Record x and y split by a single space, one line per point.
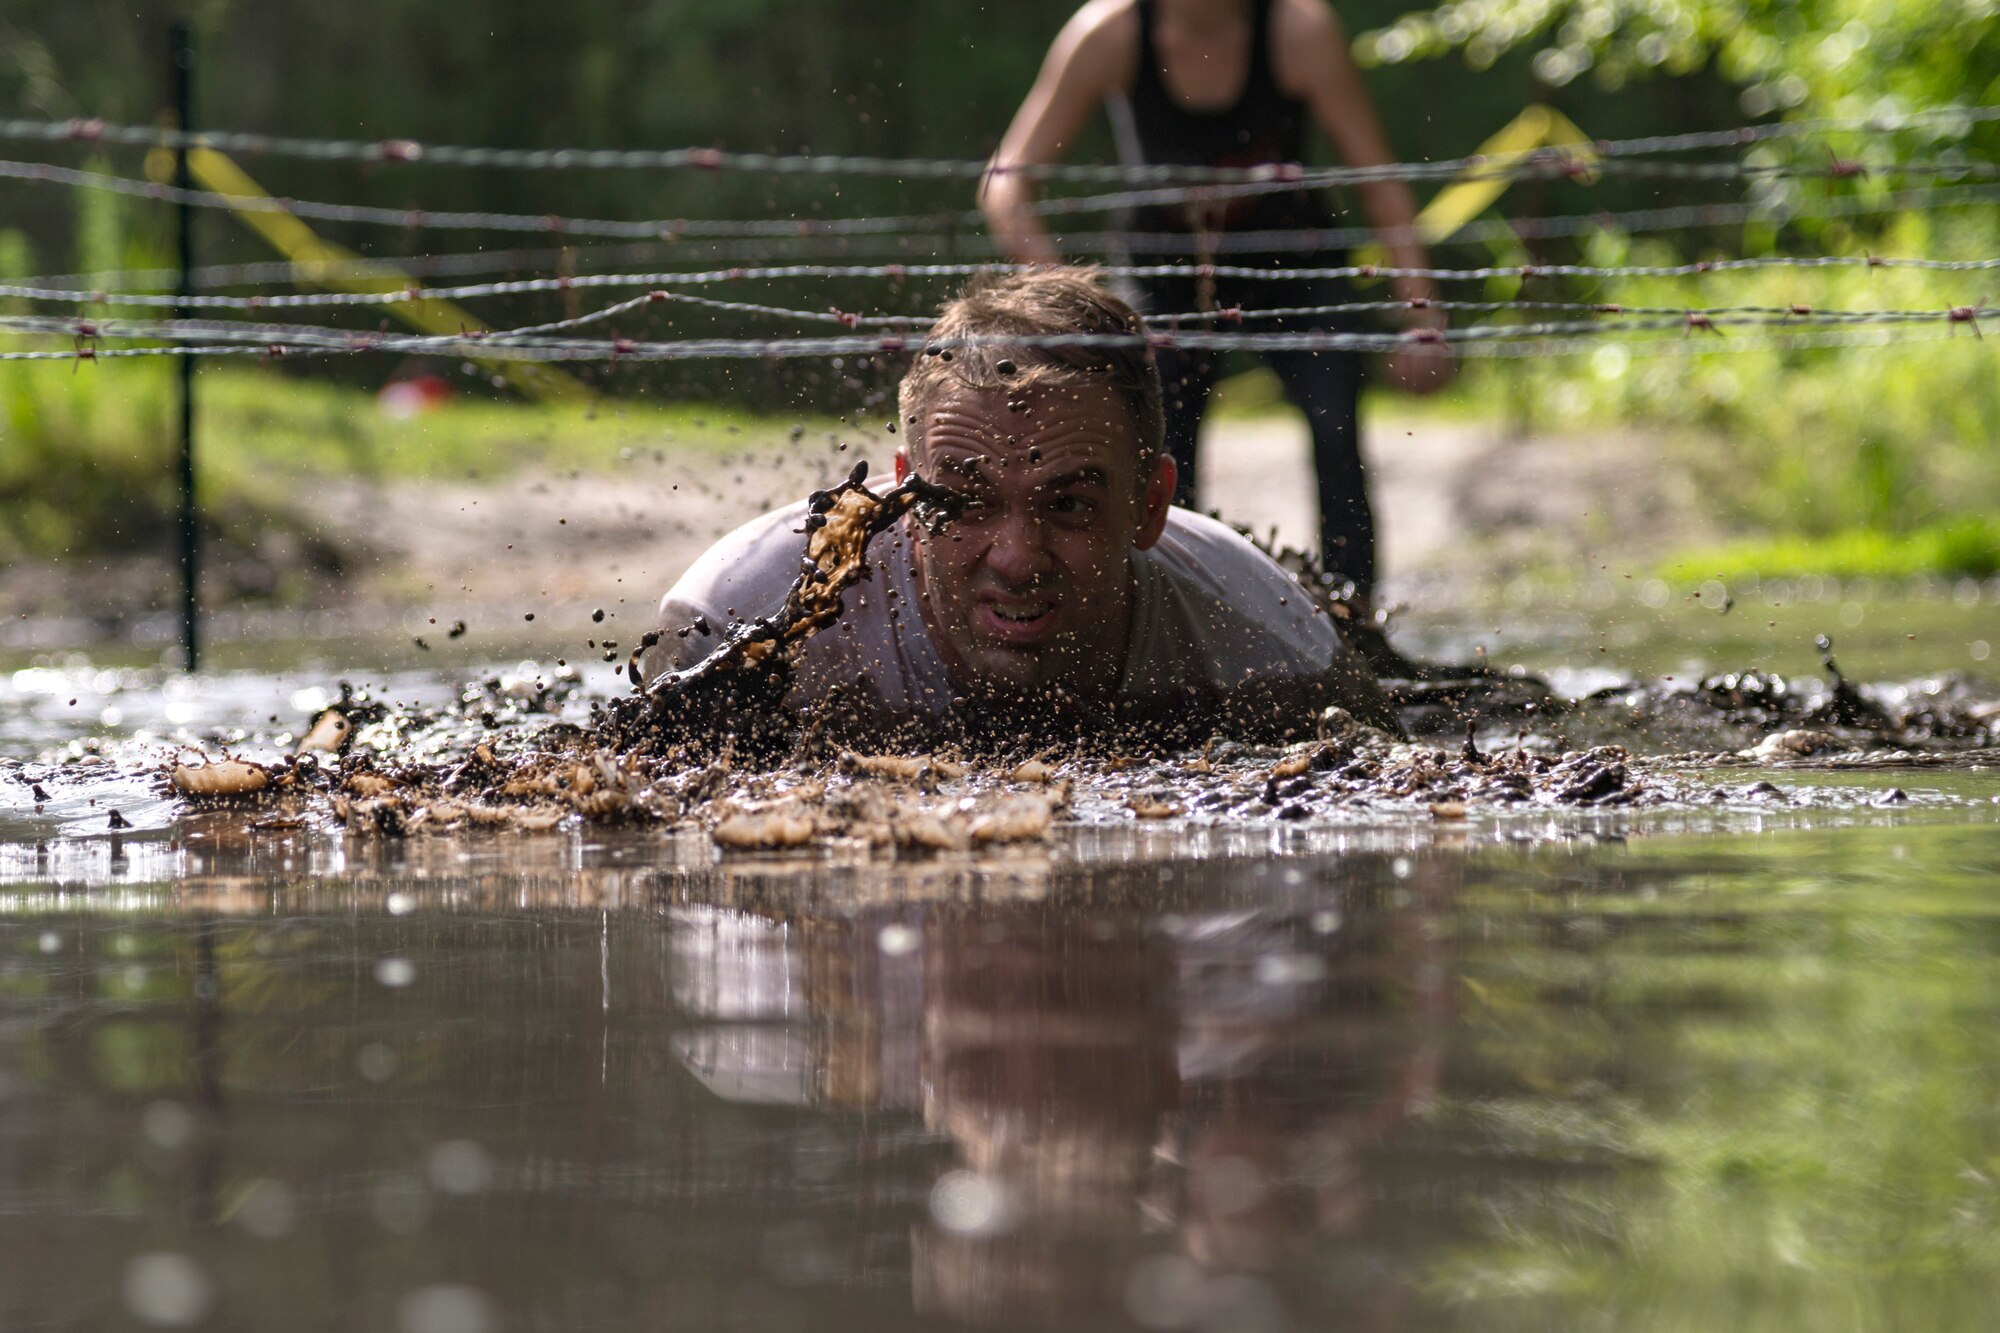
1313 63
1090 59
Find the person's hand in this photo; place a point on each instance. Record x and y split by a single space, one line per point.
1421 368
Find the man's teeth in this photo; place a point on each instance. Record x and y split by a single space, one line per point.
1023 614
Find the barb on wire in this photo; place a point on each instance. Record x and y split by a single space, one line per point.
92 131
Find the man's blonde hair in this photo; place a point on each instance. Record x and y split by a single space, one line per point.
1038 303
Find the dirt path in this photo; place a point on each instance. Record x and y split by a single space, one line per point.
1456 503
1452 499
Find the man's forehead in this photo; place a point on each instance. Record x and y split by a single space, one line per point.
964 417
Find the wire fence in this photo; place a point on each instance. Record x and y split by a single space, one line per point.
661 259
386 284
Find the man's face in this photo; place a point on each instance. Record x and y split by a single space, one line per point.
1031 586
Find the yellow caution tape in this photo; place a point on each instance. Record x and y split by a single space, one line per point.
1483 182
320 263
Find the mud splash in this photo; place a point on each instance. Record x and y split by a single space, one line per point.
745 677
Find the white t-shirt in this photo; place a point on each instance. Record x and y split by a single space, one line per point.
1212 615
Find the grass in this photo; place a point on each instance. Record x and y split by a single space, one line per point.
1962 546
88 459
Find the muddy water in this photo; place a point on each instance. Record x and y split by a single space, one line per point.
1382 1078
1724 1059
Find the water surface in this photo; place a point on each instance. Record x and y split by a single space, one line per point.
1387 1078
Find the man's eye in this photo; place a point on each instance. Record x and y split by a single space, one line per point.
1073 504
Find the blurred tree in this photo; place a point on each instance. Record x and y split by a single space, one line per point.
1818 57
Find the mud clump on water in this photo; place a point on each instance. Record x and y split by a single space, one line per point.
534 773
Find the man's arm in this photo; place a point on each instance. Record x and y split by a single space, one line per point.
1090 59
1313 63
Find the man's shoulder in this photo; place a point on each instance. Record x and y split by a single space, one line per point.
749 569
1237 602
1194 542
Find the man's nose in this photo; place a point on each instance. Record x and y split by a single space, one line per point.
1019 550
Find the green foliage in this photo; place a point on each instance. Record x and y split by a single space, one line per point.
1873 459
1825 57
85 447
1893 439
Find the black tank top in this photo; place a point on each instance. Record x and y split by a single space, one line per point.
1263 127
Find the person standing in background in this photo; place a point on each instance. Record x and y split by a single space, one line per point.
1236 83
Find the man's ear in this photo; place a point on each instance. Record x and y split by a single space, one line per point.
902 463
1156 500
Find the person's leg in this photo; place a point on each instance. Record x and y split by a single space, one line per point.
1185 380
1326 386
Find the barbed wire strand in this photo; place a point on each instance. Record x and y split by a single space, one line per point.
669 280
92 131
84 328
281 340
426 219
1538 347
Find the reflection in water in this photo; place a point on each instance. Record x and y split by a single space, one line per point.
1690 1083
1164 1117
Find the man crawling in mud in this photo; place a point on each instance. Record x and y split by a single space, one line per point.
1066 594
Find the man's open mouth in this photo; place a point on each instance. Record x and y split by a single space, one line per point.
1021 623
1024 614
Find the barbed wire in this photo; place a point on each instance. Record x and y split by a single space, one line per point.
1678 345
1167 323
410 151
531 343
1538 347
669 228
1281 241
669 280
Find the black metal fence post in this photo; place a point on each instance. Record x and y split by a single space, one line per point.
183 61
